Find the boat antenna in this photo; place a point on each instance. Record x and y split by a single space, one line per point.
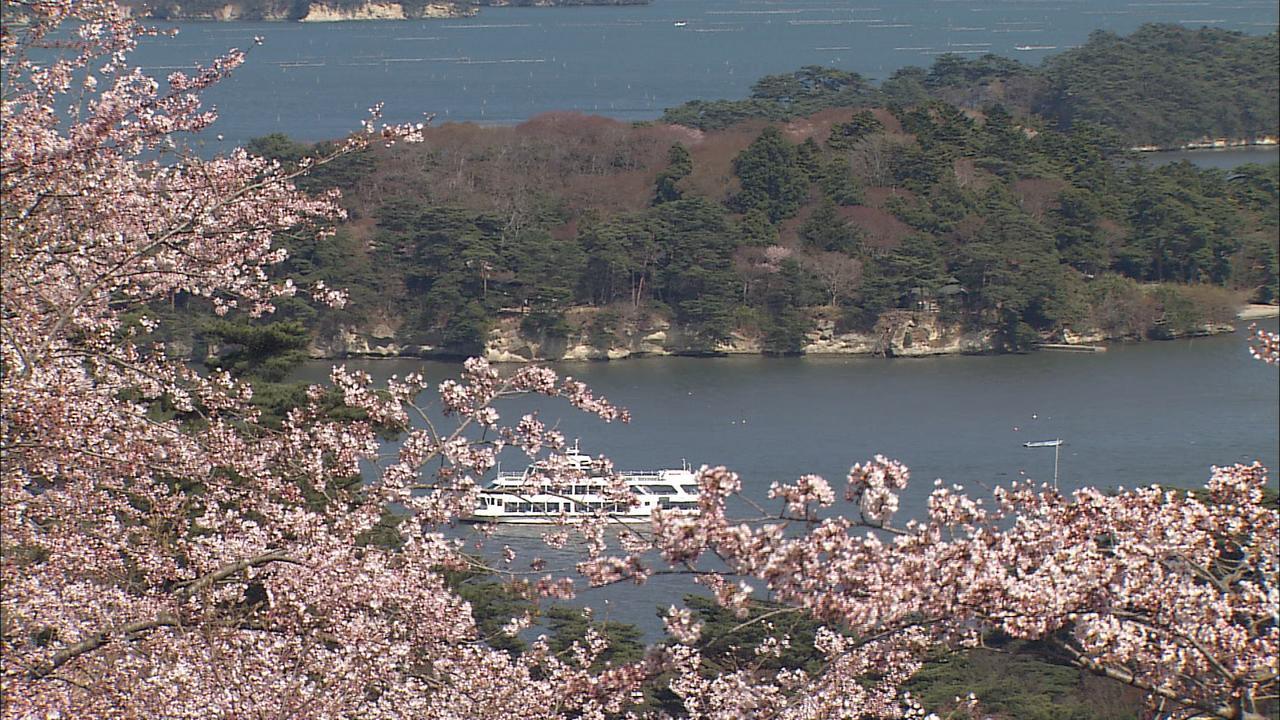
1056 447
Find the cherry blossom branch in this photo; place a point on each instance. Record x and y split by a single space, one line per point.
226 571
1129 678
100 638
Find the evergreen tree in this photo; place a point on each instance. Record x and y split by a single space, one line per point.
679 165
771 177
844 136
825 230
755 228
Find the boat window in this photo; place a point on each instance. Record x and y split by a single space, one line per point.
657 489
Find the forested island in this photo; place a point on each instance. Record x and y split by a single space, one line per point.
1161 86
943 211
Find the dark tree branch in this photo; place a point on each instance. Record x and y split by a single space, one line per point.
100 638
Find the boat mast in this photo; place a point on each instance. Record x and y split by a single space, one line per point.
1056 447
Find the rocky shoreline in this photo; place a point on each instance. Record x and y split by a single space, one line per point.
898 334
1212 144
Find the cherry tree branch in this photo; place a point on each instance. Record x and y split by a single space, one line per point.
1132 680
100 638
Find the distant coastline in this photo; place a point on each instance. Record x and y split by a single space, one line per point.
1258 312
1212 144
904 334
337 10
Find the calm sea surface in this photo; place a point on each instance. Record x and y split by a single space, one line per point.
315 81
1223 159
1160 412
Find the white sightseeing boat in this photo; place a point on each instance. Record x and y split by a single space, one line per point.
528 498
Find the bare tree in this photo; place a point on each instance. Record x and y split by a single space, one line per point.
873 156
839 274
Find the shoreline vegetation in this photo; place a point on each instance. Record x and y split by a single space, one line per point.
506 346
976 206
1211 144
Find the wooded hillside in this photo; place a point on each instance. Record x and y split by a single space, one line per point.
746 230
1162 85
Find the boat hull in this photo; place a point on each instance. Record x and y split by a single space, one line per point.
554 519
529 498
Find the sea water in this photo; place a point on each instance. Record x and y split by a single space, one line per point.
505 65
1138 414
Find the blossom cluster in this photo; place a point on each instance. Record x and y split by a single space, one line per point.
165 552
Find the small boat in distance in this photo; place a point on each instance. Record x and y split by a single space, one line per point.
680 23
1025 48
1056 444
528 498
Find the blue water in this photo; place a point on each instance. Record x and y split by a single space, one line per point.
1224 159
1158 412
316 81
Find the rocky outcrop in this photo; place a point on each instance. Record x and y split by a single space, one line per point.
341 12
1209 143
636 339
216 10
899 333
556 3
378 341
324 12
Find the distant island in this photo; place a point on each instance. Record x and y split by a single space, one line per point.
335 10
1161 87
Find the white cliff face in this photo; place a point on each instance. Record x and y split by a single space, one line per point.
507 344
898 333
323 12
320 12
227 13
